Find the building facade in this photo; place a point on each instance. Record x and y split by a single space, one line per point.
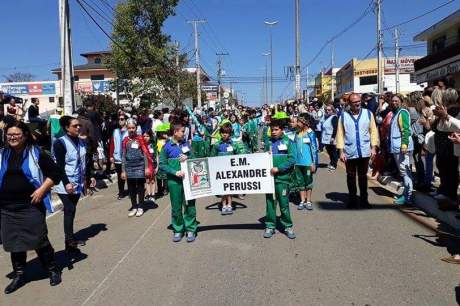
361 76
443 49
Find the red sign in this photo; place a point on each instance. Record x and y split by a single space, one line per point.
35 89
84 87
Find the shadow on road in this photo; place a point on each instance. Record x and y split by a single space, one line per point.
148 205
218 206
91 231
457 294
380 191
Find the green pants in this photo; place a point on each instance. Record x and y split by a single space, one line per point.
282 193
183 213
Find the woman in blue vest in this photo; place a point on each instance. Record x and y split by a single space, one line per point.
71 154
401 146
115 152
328 133
26 177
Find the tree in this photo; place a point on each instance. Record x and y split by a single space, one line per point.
143 55
19 77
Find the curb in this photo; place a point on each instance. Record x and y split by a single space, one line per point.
426 204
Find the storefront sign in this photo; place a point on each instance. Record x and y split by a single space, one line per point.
439 72
101 86
225 175
31 89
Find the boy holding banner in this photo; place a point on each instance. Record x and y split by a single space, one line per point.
183 213
226 146
283 154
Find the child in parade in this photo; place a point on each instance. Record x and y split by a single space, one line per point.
291 131
137 165
183 213
149 139
305 161
162 136
226 146
283 154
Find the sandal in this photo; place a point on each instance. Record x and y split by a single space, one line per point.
451 260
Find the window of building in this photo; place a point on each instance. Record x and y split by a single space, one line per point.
438 44
97 77
51 99
97 60
368 80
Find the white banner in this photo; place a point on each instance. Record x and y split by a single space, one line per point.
232 174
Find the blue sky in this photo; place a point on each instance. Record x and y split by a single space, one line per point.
30 34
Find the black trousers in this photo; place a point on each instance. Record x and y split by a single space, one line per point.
70 208
333 154
136 189
448 174
357 166
45 255
121 182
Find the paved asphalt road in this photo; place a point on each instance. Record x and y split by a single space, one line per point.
340 257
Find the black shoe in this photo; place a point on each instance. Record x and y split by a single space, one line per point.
352 202
71 247
55 277
80 243
17 282
365 204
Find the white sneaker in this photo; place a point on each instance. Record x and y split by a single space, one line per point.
139 212
132 212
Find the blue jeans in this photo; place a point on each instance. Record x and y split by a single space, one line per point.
403 162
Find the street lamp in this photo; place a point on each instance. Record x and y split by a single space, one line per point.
270 25
266 76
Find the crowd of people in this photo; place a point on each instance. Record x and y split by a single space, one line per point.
410 137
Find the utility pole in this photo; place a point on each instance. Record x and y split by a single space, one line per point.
332 72
178 67
266 76
380 71
67 83
298 91
307 97
270 24
197 59
219 75
397 66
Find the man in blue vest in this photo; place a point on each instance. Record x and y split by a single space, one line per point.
357 141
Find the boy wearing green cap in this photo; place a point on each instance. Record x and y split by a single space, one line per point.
283 154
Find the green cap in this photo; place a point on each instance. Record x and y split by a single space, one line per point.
163 127
224 122
280 115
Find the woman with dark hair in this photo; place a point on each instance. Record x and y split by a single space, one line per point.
26 177
71 154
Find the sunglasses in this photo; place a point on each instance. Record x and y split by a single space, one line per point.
76 125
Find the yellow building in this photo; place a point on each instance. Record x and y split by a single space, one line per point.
323 83
443 48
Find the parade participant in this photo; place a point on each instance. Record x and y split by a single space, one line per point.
162 136
26 177
54 127
137 165
226 146
200 143
401 146
71 155
328 133
266 133
149 139
33 113
305 167
283 154
357 141
183 213
115 150
291 131
236 127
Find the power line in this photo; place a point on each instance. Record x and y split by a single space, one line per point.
419 16
107 4
107 20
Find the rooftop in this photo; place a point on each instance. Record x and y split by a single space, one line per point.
107 52
439 27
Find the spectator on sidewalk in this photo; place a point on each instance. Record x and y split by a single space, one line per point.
401 146
329 132
357 141
115 151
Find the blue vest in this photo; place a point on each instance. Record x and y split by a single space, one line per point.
314 146
357 134
118 137
225 148
328 130
30 168
75 164
395 134
175 150
304 151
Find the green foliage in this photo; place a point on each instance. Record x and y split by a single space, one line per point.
143 56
